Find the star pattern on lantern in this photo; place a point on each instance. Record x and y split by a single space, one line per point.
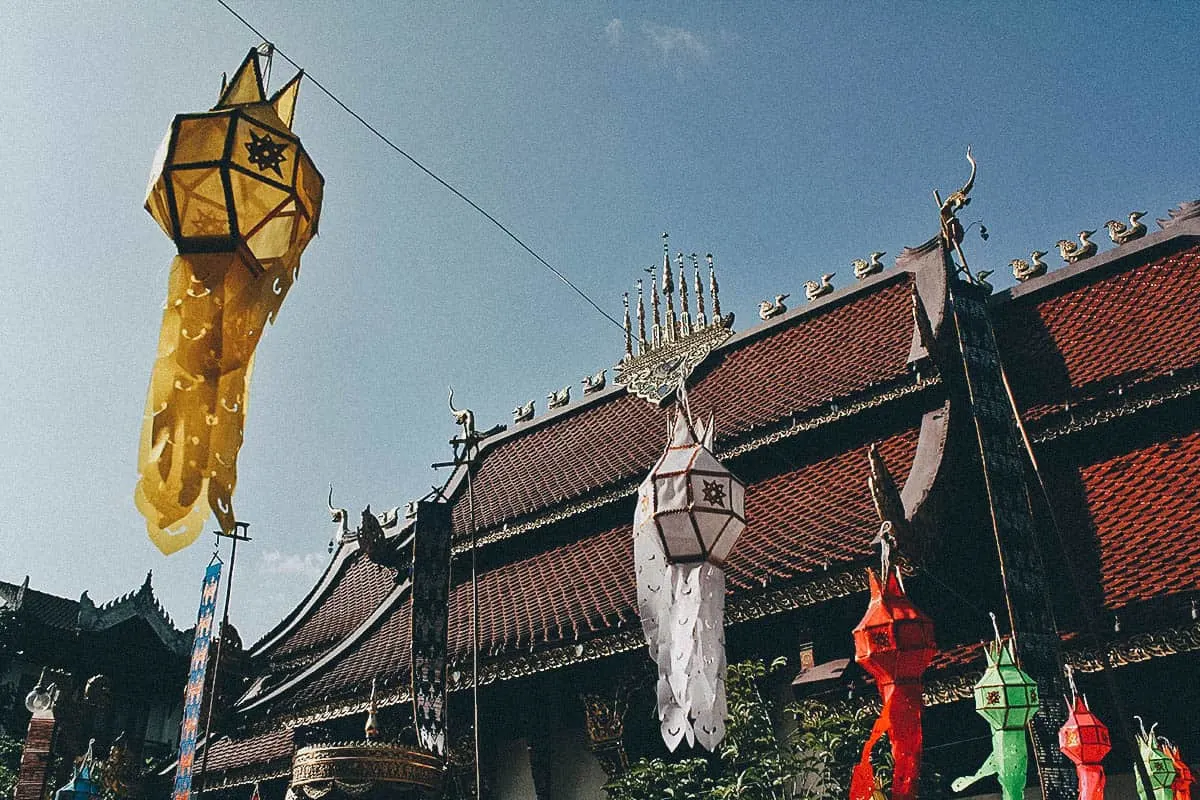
714 493
206 223
265 153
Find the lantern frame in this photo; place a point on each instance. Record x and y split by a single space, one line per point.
299 184
1005 696
1083 738
895 640
719 544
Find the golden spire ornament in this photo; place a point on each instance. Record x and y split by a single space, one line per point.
239 196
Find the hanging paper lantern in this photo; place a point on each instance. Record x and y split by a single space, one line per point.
1182 785
1159 765
1084 739
699 508
239 196
1007 698
894 642
690 512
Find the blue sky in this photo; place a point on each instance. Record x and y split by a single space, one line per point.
787 139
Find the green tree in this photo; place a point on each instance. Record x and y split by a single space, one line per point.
10 764
813 762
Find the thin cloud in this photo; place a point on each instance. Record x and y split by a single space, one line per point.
613 32
308 565
676 45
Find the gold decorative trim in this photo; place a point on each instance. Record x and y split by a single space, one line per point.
1113 406
356 767
1137 649
246 776
655 374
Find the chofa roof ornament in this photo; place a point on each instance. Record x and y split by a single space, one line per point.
654 365
689 514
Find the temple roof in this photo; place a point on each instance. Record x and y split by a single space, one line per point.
791 367
1068 343
83 615
557 586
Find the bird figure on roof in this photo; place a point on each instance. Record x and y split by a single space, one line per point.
1024 270
1121 233
813 290
594 383
523 413
864 268
560 398
981 280
1072 252
769 310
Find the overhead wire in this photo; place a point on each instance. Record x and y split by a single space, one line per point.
437 178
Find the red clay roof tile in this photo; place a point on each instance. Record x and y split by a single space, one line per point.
757 383
797 523
1145 511
229 754
1124 329
357 592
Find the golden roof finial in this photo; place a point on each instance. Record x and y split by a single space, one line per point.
658 334
671 332
643 346
628 332
713 289
685 314
700 320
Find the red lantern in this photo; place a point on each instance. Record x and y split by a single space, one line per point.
894 642
1182 785
1084 739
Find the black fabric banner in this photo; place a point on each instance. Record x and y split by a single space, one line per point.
430 610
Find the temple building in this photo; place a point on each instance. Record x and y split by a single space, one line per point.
1076 521
131 641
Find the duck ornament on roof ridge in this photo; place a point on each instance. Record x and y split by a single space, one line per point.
813 290
1072 252
1024 270
1120 233
768 310
864 268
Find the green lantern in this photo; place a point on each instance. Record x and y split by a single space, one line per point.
1159 765
1007 698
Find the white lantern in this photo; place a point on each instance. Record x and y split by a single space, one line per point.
699 507
690 512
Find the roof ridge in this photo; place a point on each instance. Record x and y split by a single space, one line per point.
905 265
1183 223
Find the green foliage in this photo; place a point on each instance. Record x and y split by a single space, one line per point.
812 762
826 744
655 779
10 764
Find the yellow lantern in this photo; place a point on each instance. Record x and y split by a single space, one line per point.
239 196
